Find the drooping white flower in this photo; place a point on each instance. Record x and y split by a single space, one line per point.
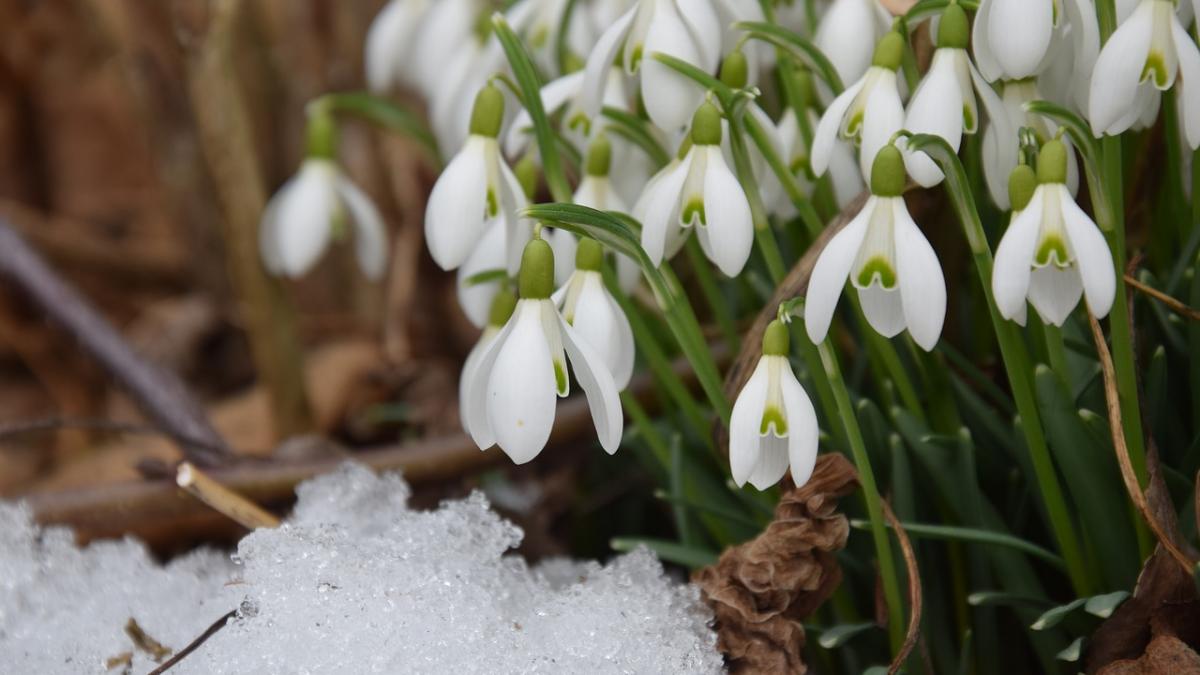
539 22
1014 94
845 176
450 104
698 192
1142 58
1052 253
444 29
511 395
309 211
496 317
773 425
476 186
1012 37
566 94
588 307
688 30
389 43
596 191
848 33
888 261
1066 72
944 104
869 112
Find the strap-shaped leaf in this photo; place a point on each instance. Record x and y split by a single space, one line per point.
637 131
801 48
384 113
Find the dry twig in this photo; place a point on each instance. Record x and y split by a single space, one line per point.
914 590
194 644
237 508
1171 303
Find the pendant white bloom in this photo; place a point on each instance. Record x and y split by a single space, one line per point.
1142 57
889 262
510 398
566 94
847 34
998 165
389 42
588 307
944 104
701 193
596 191
1012 37
869 112
773 423
312 209
1052 252
688 30
476 186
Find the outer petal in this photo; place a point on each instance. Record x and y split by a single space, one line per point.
981 43
670 98
564 244
455 213
597 383
600 323
554 96
1085 39
517 231
831 271
520 388
826 134
474 411
656 206
388 40
882 117
1020 32
1092 255
1002 144
470 366
304 215
1118 72
476 301
370 235
599 61
803 433
705 28
922 286
1188 90
840 36
935 109
730 229
1014 258
745 441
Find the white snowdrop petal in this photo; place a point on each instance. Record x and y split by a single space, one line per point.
629 273
476 300
670 98
1118 71
595 320
517 231
1092 256
847 35
922 286
803 433
521 392
305 217
600 60
845 174
882 118
772 462
1014 258
744 424
370 234
474 412
981 42
1005 144
564 244
730 228
826 133
470 366
883 308
454 215
554 96
386 39
935 109
597 383
1019 32
268 232
704 26
656 207
1054 292
1188 91
831 271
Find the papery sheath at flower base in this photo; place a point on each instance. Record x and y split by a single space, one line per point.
587 306
888 261
1052 252
773 425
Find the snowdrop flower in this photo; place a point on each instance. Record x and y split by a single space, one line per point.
1012 37
444 29
888 261
539 21
1014 94
510 398
688 30
944 103
847 33
389 43
588 307
1066 71
313 207
502 305
1144 56
773 423
596 191
842 166
699 192
566 94
475 186
1052 252
869 112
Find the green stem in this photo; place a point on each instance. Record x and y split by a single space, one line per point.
712 294
763 234
384 113
1056 351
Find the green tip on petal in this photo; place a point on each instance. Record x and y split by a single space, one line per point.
599 157
735 69
887 173
889 52
321 135
1021 184
527 172
488 113
706 125
1052 163
954 31
536 280
502 307
589 256
777 340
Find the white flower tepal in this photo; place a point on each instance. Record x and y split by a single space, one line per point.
588 307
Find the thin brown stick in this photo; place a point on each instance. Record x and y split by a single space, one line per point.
55 423
1171 303
234 506
194 644
1128 475
914 590
159 393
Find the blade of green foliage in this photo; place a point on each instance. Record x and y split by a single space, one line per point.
1054 616
804 51
386 114
836 636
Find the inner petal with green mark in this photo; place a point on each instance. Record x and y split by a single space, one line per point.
560 377
693 212
1052 248
875 269
1155 69
493 202
773 422
580 122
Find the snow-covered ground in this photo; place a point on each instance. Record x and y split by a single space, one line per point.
353 582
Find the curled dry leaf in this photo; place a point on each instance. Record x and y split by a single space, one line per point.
761 591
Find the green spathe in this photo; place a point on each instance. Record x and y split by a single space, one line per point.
889 52
706 125
887 173
1052 163
589 255
777 339
502 307
536 280
488 114
954 31
1021 184
599 157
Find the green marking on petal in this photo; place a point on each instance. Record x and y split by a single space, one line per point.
1156 70
1052 249
493 204
773 417
539 38
580 122
693 212
560 378
636 59
877 268
854 125
968 119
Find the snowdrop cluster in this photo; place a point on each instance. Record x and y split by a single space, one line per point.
540 295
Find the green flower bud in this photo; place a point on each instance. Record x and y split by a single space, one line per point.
735 70
321 134
706 125
502 307
536 279
777 341
599 157
889 52
1021 184
589 255
887 173
954 31
488 113
527 171
1052 163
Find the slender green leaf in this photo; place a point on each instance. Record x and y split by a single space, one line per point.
1104 605
836 636
639 132
384 113
973 536
486 277
1054 616
1073 651
1001 598
804 50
